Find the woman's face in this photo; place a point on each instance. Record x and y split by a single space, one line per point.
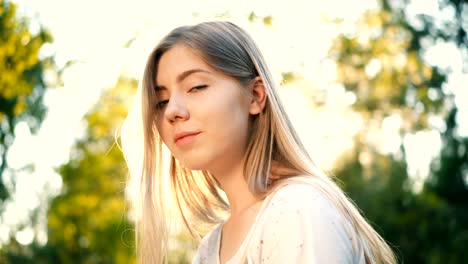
202 114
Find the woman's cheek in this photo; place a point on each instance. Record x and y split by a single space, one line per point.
163 134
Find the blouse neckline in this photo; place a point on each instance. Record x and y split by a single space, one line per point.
244 243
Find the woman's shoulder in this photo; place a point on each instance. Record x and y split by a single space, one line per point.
301 222
298 195
304 199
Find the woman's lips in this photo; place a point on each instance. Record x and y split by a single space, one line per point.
185 138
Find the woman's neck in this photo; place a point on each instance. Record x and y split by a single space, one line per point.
235 186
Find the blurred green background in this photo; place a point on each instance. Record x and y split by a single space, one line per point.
404 105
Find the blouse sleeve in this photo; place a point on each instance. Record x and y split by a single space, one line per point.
302 226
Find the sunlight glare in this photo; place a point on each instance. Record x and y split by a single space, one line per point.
25 236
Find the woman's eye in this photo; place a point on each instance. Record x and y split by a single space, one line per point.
198 88
162 104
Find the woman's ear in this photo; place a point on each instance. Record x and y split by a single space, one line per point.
259 96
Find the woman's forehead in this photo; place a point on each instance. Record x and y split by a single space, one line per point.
179 62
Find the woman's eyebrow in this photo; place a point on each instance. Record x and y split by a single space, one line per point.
181 77
185 74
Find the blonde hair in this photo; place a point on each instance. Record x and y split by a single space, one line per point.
274 153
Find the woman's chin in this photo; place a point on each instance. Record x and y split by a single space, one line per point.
194 164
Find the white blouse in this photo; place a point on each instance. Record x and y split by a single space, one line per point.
298 224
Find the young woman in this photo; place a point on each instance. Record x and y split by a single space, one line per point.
208 96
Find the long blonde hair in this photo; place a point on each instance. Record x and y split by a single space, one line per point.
273 149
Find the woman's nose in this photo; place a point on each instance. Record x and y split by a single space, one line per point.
176 109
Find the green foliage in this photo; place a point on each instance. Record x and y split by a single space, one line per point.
87 222
383 66
22 81
425 227
266 20
288 77
448 184
377 186
449 178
